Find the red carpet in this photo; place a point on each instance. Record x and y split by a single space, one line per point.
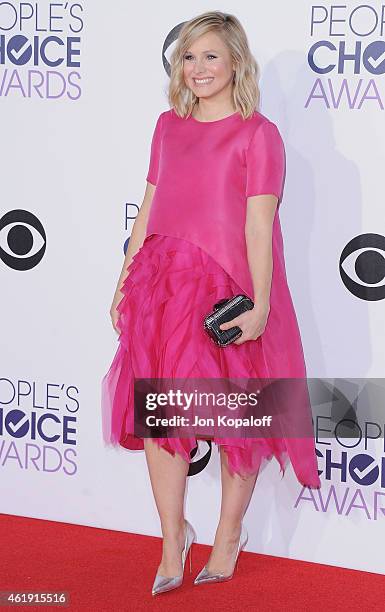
112 571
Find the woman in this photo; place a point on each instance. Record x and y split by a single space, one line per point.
208 228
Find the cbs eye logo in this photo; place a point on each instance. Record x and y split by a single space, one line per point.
22 240
170 39
362 266
199 463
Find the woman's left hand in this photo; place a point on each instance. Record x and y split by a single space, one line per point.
252 323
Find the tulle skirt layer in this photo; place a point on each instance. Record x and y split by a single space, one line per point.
171 285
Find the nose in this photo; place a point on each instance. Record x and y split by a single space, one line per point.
199 66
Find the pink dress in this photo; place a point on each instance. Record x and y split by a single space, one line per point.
193 255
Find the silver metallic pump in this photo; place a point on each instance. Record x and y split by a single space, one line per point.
205 576
164 583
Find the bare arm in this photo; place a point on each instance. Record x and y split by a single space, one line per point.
136 241
258 233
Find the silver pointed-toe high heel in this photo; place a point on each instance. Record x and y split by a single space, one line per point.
205 576
165 583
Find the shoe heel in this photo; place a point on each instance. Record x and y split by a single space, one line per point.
241 548
236 563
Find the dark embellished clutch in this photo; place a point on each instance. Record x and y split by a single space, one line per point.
224 311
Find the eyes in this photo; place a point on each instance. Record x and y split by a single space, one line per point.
188 56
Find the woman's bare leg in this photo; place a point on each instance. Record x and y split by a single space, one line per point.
168 480
236 495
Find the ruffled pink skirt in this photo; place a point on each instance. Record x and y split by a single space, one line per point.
171 285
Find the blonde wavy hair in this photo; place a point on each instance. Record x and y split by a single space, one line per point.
245 91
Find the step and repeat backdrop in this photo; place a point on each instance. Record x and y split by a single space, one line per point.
81 86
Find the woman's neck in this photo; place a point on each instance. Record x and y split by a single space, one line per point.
210 113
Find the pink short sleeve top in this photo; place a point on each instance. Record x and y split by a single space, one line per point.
204 172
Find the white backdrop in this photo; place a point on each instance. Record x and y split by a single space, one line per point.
75 150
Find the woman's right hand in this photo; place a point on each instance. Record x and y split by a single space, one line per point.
114 314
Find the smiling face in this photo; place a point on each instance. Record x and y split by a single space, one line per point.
207 66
